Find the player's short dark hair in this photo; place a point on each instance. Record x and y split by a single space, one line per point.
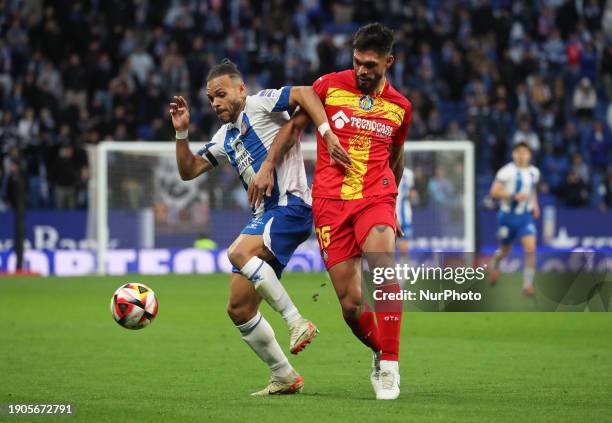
226 67
374 36
521 144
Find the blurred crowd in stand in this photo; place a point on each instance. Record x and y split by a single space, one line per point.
74 73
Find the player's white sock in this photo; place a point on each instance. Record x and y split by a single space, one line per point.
269 287
528 274
258 333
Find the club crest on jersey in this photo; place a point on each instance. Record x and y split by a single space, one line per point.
366 102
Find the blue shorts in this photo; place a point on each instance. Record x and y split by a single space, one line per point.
514 226
283 229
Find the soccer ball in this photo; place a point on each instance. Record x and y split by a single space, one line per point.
134 305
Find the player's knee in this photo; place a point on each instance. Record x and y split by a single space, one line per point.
529 247
239 313
237 256
350 308
380 238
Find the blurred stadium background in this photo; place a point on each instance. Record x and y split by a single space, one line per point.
74 74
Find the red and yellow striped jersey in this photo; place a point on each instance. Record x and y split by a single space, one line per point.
366 127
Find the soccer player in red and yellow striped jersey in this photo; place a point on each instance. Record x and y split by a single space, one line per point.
355 188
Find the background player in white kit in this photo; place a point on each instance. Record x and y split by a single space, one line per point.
515 186
278 226
403 209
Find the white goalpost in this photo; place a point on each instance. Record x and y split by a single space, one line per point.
137 199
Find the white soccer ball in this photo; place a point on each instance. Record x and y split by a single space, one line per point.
134 305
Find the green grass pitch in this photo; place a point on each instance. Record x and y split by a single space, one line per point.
59 344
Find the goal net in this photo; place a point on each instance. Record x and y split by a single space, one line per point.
142 214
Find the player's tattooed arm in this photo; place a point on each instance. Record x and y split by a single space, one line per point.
289 134
189 165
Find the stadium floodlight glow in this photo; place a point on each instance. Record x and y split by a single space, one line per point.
450 227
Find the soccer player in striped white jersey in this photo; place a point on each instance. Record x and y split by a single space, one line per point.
403 209
515 186
278 225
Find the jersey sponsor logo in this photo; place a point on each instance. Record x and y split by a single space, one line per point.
366 102
243 158
340 119
371 125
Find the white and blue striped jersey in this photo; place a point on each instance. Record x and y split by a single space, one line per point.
402 207
517 180
245 144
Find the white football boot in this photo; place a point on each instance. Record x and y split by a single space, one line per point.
290 384
301 333
389 380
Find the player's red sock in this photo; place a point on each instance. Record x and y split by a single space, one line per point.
364 327
389 319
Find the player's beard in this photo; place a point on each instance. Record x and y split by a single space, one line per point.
368 85
231 112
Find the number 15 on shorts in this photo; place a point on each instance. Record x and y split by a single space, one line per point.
323 235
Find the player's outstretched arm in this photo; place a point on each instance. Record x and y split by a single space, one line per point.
189 165
289 134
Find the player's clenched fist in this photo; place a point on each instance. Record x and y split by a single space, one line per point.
179 111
